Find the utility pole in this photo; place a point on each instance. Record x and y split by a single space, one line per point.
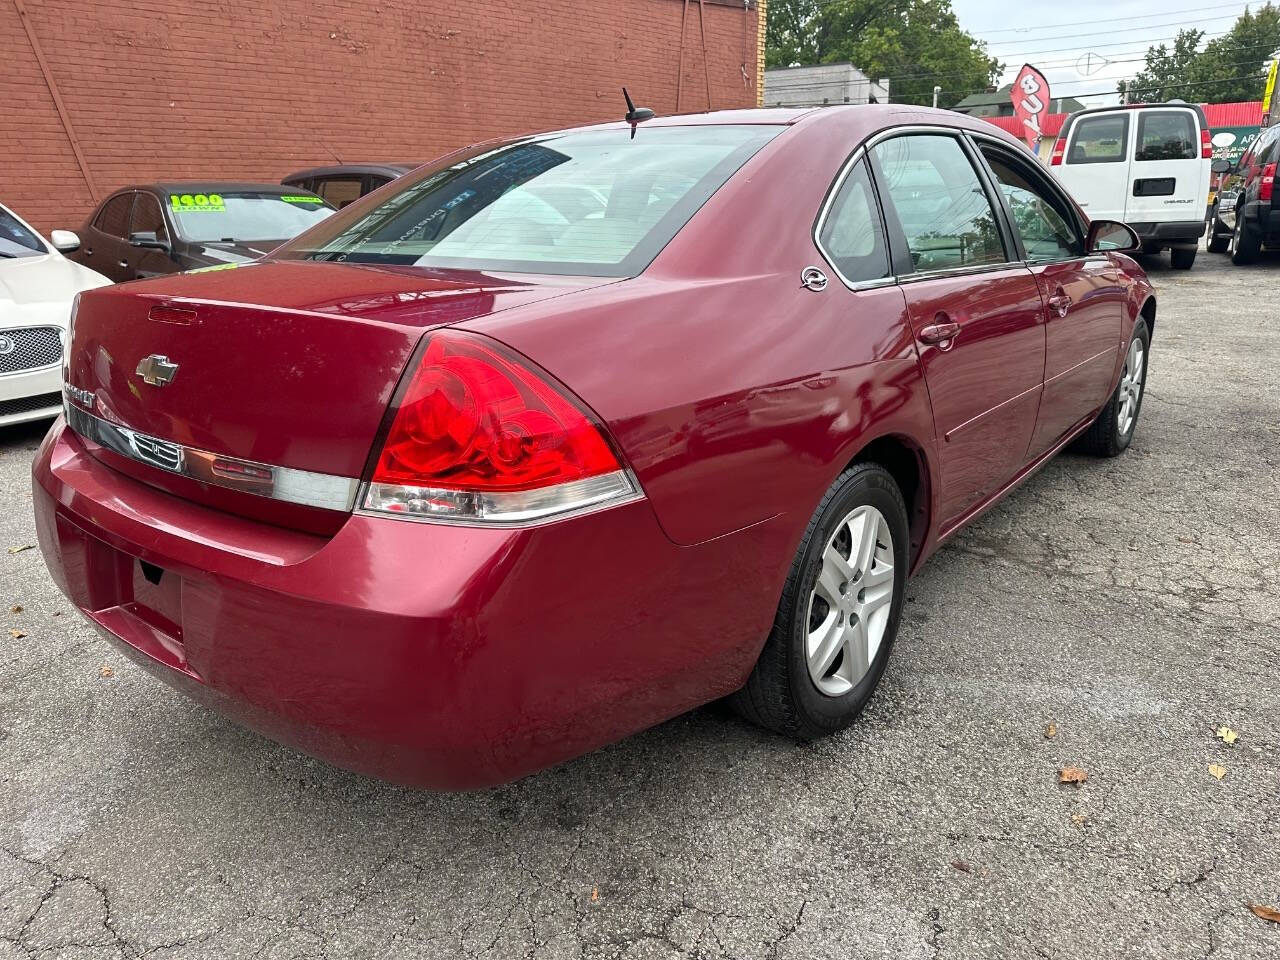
936 91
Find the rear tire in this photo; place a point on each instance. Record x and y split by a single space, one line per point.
1181 259
1245 244
1111 434
792 690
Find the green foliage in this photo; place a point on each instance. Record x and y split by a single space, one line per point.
1230 68
916 43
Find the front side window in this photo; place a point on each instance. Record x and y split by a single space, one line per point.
16 240
114 218
148 217
940 202
1166 135
1040 217
593 203
244 215
852 235
1102 139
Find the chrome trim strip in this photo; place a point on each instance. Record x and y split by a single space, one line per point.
286 484
962 271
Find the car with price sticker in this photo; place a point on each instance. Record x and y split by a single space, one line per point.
161 228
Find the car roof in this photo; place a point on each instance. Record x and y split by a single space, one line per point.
1131 107
209 186
357 169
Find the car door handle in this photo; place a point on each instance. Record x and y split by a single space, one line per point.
124 263
940 333
88 251
1060 303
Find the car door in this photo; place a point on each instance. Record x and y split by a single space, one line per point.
149 217
1095 166
1083 296
974 307
104 247
1169 175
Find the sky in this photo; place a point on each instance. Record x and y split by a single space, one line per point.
1085 46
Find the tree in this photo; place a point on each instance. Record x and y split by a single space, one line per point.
915 43
1230 68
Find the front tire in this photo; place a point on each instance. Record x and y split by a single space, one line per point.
839 612
1213 241
1181 258
1111 434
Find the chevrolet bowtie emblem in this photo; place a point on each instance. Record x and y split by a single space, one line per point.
156 370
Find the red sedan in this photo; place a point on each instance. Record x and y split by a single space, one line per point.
562 436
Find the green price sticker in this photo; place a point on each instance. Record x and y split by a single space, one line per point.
197 203
315 200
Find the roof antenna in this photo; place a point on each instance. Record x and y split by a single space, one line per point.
635 115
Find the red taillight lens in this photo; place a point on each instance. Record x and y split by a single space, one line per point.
1206 144
1268 182
1059 147
479 435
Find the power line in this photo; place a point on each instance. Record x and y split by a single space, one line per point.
1094 33
1237 5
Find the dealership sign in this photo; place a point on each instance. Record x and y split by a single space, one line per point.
1030 96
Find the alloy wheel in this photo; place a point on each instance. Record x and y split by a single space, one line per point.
850 603
1131 386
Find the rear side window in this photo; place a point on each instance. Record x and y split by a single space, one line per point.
592 203
114 218
940 202
1102 139
852 235
1166 135
340 191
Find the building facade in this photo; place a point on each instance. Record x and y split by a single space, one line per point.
98 95
821 84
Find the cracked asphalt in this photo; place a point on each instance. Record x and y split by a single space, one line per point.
1131 602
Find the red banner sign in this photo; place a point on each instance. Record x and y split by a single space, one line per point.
1030 95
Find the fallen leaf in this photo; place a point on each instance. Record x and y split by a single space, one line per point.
1187 539
1079 819
16 608
1216 771
962 866
107 672
16 634
595 894
1265 912
1227 735
1072 775
1051 731
27 546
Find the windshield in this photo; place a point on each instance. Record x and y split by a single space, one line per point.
595 203
16 239
245 215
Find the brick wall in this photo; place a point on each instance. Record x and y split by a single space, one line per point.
231 90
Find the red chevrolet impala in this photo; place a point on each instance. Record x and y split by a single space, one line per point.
561 436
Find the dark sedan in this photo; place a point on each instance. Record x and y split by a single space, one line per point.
159 228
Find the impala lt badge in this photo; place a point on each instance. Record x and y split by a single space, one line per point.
156 370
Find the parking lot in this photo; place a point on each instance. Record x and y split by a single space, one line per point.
1130 603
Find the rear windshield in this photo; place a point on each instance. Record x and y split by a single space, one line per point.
245 215
1166 135
594 203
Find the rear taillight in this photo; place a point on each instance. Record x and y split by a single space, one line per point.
1059 147
479 435
1206 144
1268 182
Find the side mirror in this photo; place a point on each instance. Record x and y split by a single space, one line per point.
64 241
148 239
1107 235
1220 166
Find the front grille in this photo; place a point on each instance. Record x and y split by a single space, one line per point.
42 401
27 348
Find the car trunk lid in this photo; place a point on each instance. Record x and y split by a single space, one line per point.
287 367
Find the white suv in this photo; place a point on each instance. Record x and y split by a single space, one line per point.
1144 164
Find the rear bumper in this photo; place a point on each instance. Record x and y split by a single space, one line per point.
30 395
1182 231
426 654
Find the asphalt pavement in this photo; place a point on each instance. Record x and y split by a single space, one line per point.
1130 603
